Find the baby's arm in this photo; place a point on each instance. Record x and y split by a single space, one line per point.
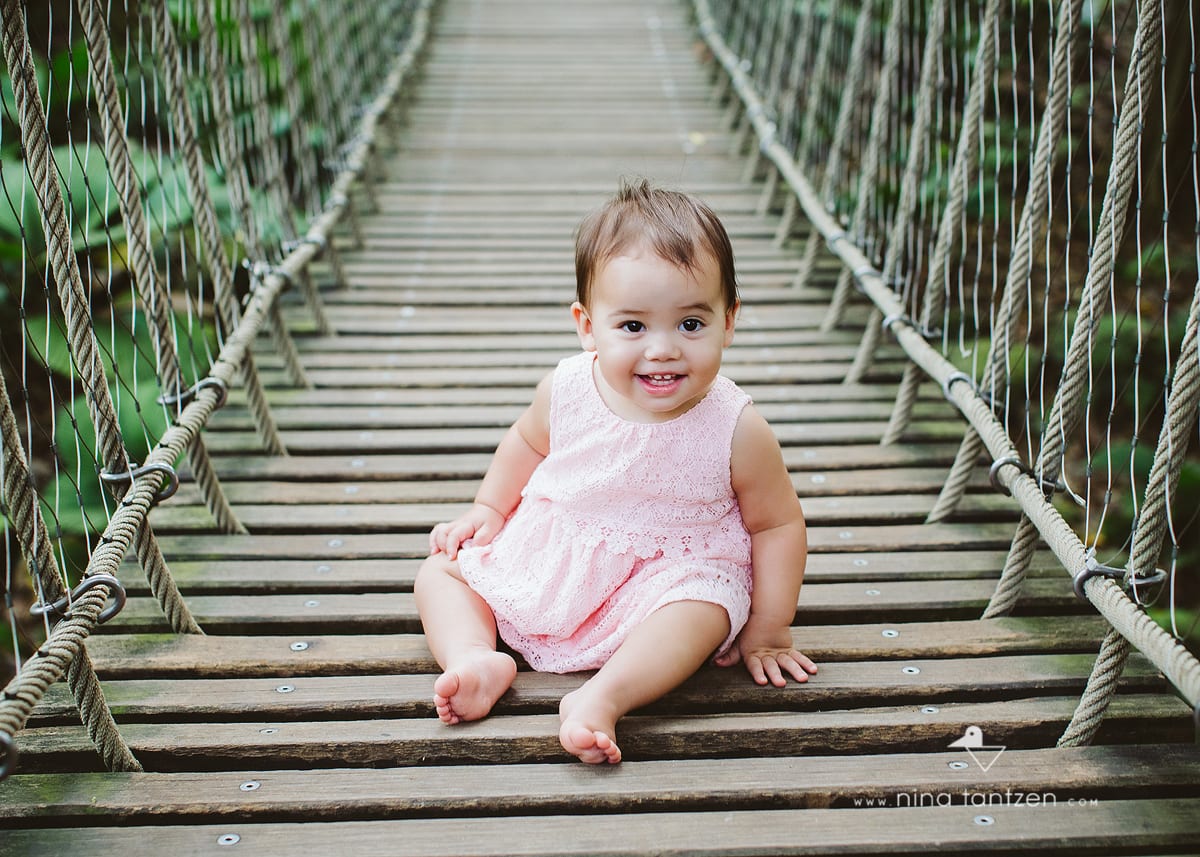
524 446
778 551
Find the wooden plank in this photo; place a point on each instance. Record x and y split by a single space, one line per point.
447 465
292 513
814 782
376 612
118 655
383 397
379 575
343 545
1015 723
458 439
528 377
845 483
453 358
857 683
452 417
1168 824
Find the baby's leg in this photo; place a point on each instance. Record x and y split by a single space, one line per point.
461 632
656 657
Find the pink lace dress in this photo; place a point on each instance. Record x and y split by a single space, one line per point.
620 519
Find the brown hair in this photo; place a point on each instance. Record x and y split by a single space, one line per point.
676 226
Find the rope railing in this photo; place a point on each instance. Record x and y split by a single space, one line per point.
992 302
170 156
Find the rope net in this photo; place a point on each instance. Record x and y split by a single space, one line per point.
1014 190
167 169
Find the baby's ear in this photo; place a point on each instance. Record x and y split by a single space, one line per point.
730 321
583 326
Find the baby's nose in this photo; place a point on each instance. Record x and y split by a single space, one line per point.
661 347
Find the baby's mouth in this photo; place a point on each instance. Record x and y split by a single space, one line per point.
661 382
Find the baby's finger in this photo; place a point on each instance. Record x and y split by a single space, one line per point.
453 540
437 539
794 667
755 667
804 662
773 673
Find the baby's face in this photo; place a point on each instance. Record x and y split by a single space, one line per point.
659 333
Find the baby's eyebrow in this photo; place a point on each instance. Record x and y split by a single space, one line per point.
703 306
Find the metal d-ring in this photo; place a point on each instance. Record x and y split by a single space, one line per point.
135 472
8 755
179 400
953 378
1092 567
61 607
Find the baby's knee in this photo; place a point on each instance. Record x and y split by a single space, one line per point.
434 570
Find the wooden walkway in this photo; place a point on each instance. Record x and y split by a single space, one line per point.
303 722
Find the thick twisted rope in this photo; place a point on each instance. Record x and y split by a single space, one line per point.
1066 409
53 213
206 221
1150 528
1179 423
1099 691
237 180
851 93
806 145
80 336
275 180
872 155
966 161
21 507
1020 264
154 296
910 182
1179 666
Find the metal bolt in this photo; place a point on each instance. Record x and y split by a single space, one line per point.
229 839
861 563
911 670
929 709
845 534
312 603
285 688
891 633
818 479
957 765
250 786
268 731
324 569
872 592
984 820
335 543
351 489
299 646
358 462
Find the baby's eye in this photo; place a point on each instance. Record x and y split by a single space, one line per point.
632 326
691 325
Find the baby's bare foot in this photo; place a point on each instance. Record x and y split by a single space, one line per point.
470 689
587 731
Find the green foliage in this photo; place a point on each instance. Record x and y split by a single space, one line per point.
142 419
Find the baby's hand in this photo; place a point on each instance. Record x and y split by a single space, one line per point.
480 524
768 654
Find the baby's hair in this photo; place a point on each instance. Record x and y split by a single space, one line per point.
678 227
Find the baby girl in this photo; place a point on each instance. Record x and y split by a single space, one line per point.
637 519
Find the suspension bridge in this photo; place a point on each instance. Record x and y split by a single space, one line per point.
306 261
